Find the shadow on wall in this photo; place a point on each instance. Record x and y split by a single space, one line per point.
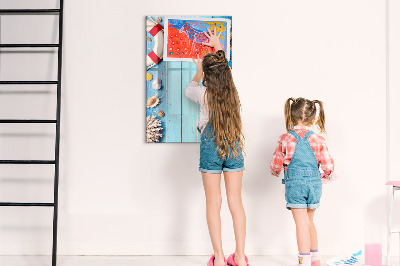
185 186
259 186
375 213
375 219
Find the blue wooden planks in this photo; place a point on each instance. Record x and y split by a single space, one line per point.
173 122
190 109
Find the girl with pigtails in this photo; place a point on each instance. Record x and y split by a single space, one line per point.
302 154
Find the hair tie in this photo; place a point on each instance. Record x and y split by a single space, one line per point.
219 64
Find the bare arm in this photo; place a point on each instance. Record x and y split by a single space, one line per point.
213 41
199 72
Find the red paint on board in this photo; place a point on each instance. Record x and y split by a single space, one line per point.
181 46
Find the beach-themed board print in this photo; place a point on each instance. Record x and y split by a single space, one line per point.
170 115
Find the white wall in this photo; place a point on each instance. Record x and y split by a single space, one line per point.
120 195
393 109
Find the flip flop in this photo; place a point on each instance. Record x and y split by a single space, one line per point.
231 260
211 260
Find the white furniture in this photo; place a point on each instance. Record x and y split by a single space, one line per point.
394 185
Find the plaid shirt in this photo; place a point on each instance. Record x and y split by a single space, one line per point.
287 144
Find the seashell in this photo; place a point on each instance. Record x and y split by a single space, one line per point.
152 102
148 39
156 84
159 19
161 113
149 76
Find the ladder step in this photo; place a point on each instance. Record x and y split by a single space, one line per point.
28 11
26 121
28 45
27 161
29 204
29 82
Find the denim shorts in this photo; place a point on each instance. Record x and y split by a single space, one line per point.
303 193
211 161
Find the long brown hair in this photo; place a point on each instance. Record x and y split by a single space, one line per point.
303 110
223 104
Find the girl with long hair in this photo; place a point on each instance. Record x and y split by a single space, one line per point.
221 147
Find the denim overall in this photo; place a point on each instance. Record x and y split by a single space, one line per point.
211 162
302 181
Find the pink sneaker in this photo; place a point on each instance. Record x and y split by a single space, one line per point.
211 261
231 260
316 263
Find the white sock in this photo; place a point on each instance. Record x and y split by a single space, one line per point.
314 255
305 260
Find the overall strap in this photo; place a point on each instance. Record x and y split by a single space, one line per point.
309 133
294 133
303 164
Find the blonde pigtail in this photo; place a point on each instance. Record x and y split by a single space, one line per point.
321 116
288 114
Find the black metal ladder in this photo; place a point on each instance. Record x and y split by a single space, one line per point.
57 82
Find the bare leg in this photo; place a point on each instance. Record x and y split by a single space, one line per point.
313 230
302 221
212 188
233 183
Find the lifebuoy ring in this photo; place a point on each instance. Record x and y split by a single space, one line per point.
157 31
